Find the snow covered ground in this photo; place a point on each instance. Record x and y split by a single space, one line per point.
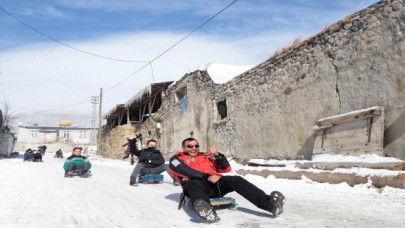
34 194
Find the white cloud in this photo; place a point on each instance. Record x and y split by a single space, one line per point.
50 11
125 5
51 76
44 11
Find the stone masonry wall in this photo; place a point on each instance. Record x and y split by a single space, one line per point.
354 64
195 120
112 146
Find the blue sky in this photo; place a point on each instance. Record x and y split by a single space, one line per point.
37 73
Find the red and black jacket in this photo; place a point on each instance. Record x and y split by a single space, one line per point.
185 167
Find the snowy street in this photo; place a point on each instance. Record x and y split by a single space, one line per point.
35 194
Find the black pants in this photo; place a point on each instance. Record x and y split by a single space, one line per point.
72 167
202 189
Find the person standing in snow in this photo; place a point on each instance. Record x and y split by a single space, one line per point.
42 149
127 151
131 147
201 179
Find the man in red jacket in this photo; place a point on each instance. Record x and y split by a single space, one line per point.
201 179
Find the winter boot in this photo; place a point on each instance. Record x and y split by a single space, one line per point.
276 203
83 173
205 211
141 179
68 173
132 181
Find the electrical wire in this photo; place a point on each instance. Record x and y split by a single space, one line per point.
148 63
171 47
67 45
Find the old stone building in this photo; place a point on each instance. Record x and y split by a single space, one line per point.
270 110
133 118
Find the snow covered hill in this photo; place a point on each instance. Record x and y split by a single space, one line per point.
37 195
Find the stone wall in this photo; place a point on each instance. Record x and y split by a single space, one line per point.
112 143
149 130
116 137
193 121
356 63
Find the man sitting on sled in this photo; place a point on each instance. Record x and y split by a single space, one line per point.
150 162
200 177
77 163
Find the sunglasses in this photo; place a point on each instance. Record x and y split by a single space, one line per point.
191 146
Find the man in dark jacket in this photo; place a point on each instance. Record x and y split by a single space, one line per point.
42 149
201 179
150 161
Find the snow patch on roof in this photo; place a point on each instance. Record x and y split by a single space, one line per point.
147 90
221 73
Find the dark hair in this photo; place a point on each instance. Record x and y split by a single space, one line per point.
187 140
77 147
151 140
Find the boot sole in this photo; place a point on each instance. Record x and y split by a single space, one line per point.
278 200
205 211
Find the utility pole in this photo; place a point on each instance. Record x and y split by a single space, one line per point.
100 122
94 101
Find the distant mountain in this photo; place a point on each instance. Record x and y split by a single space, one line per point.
52 119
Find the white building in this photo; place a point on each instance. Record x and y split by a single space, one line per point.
54 137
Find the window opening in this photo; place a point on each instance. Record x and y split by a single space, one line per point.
34 134
221 108
181 97
66 134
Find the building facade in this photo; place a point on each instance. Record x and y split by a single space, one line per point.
53 137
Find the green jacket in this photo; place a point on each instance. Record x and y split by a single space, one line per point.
76 160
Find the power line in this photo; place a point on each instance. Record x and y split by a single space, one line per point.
96 55
64 44
171 47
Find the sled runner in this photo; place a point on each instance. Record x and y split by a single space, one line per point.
77 172
227 202
218 202
151 179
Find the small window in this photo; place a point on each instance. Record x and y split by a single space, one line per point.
83 135
66 134
181 97
34 134
221 108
